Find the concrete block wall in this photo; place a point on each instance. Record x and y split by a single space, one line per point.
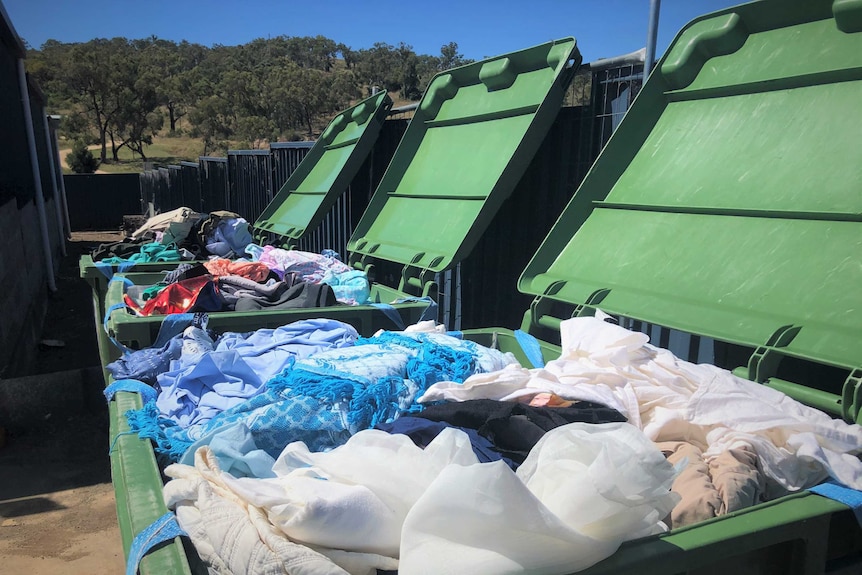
24 296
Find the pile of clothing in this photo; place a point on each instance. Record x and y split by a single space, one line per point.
238 276
181 234
423 452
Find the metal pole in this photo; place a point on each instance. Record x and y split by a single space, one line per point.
58 162
37 178
58 206
652 33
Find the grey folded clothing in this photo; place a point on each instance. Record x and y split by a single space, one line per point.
234 288
301 295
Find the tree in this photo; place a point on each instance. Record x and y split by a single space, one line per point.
132 117
171 66
379 66
211 122
89 84
348 55
81 160
450 58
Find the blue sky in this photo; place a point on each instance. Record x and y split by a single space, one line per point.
603 28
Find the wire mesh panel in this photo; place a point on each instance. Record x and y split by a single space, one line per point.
614 90
213 183
250 176
190 175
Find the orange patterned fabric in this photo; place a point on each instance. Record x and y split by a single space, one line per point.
254 271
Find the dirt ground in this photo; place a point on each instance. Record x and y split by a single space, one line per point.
57 510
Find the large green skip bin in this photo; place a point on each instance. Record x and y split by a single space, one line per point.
485 121
728 204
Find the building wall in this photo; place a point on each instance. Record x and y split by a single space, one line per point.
23 269
24 297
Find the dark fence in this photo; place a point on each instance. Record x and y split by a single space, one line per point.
190 177
176 193
214 183
250 178
286 157
115 195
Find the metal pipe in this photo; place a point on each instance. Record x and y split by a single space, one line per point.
37 178
402 109
652 34
57 205
635 57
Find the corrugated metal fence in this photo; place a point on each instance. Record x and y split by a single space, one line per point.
214 183
250 182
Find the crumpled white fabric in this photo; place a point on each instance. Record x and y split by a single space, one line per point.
231 536
356 496
582 491
674 400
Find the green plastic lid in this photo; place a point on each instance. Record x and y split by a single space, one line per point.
326 171
467 146
729 201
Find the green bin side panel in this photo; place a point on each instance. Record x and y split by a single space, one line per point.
467 146
326 171
729 201
138 490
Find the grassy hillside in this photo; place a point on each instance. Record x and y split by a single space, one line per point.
164 150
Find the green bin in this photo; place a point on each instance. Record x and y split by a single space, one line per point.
728 205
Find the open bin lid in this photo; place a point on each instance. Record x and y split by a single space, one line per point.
475 131
326 171
729 201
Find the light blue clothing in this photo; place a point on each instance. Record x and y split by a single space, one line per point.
231 236
197 389
325 398
236 451
349 287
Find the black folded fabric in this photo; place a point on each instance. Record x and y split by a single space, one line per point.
514 428
122 249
